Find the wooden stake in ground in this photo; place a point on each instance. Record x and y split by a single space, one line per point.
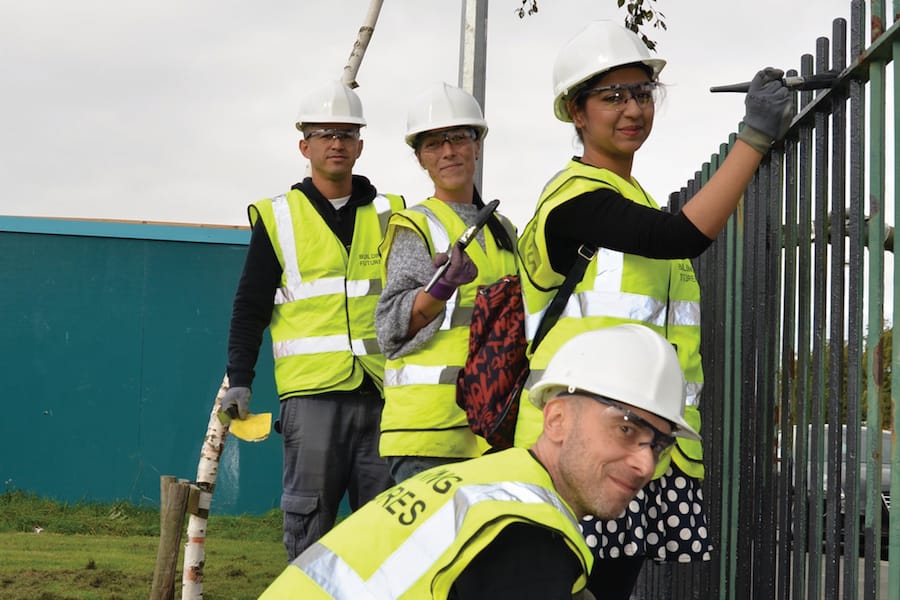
207 470
173 504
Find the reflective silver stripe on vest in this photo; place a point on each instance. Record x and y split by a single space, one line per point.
331 573
295 288
684 312
605 298
449 310
687 313
365 347
383 208
419 375
610 267
619 305
363 287
462 316
312 289
439 236
692 393
454 315
311 345
285 228
534 376
422 549
441 239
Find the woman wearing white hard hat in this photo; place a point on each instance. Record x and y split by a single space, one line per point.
425 334
606 84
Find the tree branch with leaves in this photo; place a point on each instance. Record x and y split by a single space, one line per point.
640 15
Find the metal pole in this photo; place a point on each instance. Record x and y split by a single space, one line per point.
473 58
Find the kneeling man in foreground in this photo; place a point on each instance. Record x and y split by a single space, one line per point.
505 525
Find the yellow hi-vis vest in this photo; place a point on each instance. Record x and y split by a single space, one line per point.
420 416
323 320
415 539
616 288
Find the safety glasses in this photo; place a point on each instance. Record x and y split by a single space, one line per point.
616 97
630 430
344 135
432 142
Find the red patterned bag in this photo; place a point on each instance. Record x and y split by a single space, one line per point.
489 385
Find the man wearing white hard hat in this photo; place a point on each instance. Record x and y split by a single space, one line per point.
312 276
505 525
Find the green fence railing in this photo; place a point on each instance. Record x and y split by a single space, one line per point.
800 420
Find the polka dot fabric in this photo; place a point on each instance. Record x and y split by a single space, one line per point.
666 522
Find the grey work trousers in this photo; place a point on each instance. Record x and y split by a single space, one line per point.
330 447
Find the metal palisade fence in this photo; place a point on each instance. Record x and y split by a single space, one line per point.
798 309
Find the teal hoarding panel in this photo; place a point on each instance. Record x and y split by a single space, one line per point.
113 349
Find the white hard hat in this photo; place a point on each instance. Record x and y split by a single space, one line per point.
599 47
442 106
332 103
630 363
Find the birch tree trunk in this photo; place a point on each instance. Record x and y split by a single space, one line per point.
362 42
210 453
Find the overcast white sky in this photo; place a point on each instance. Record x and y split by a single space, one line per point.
183 110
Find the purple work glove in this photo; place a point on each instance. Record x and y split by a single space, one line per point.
460 272
769 110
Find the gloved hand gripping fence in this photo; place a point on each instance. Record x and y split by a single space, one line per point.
769 110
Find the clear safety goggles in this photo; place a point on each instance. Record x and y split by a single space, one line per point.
344 135
432 142
616 97
628 429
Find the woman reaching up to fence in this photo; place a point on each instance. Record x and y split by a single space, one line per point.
606 84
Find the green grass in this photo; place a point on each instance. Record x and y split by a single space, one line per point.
107 551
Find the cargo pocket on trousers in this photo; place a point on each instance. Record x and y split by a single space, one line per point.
302 523
299 505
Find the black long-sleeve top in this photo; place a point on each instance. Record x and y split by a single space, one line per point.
604 218
526 562
254 298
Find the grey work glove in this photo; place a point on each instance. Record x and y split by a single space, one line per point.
236 403
460 272
769 109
